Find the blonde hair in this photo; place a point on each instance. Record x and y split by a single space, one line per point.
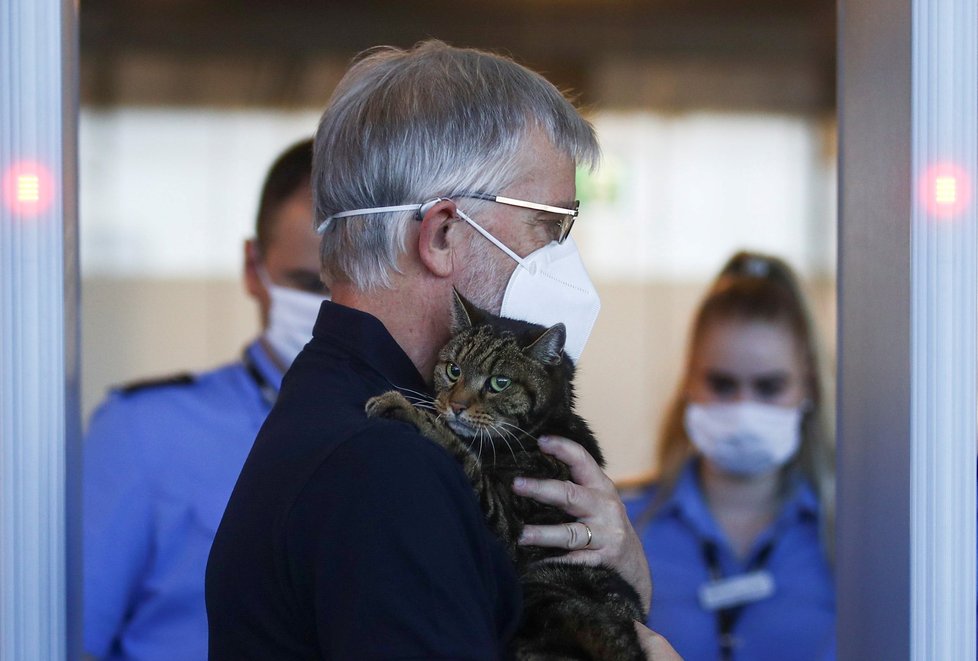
755 287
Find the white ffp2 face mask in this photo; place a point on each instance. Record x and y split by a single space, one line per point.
550 286
745 438
291 316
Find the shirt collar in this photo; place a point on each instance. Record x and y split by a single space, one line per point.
263 368
802 500
367 339
688 503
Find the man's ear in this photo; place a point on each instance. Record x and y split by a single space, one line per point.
438 238
252 258
252 281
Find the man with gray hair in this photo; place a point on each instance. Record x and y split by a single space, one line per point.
350 537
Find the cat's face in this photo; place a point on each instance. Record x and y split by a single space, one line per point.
487 385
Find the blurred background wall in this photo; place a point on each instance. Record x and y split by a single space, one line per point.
716 118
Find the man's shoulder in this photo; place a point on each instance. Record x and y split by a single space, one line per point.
158 390
154 384
389 458
183 403
392 443
388 475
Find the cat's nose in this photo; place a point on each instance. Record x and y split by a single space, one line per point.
457 407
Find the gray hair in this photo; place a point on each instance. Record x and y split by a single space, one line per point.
404 126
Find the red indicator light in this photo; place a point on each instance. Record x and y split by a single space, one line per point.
28 188
945 190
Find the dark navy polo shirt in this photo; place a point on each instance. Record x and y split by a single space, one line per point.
354 538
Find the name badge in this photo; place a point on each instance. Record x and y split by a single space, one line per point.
736 590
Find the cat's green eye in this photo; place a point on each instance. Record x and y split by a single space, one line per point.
499 383
453 371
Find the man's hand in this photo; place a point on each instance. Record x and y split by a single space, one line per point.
592 498
656 647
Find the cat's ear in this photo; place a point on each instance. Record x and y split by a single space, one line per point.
548 347
462 312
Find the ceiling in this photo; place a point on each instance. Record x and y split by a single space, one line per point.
671 54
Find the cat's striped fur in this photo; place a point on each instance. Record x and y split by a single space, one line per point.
499 384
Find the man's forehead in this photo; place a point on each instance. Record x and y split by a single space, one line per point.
546 172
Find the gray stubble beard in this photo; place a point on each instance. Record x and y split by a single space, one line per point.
484 282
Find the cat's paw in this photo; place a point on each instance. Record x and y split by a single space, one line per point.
391 404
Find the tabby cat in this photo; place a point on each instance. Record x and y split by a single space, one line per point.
500 383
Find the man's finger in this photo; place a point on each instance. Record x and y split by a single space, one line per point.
573 536
656 647
584 469
571 498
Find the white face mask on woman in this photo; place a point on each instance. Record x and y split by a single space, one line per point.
291 316
745 438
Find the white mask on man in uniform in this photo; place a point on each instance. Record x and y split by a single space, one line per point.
291 317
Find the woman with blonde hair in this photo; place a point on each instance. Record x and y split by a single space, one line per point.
737 528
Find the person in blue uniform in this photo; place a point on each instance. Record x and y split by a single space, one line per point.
738 526
161 457
348 537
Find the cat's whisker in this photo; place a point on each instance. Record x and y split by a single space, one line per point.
420 403
502 435
491 444
517 428
416 398
511 451
515 438
521 431
472 440
423 395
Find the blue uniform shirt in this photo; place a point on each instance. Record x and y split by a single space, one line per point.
160 461
796 622
348 537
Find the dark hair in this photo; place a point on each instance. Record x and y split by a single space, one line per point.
291 171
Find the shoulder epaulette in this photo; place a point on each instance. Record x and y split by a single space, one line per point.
181 379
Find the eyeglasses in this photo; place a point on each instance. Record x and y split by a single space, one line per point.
564 223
